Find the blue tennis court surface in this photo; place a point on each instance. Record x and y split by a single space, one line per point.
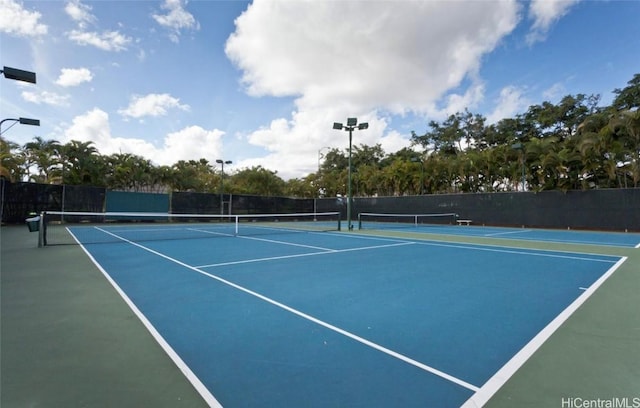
621 239
337 319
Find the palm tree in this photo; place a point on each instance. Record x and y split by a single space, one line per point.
625 124
81 164
45 156
542 161
11 164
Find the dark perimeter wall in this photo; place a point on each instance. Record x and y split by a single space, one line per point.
608 209
611 209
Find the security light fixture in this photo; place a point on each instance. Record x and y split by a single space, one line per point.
28 121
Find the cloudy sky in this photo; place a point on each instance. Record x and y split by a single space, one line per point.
261 83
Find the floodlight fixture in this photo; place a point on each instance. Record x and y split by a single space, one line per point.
28 121
337 126
352 121
19 74
363 126
22 121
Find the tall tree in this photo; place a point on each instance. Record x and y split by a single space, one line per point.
259 181
625 125
44 155
628 98
11 161
82 164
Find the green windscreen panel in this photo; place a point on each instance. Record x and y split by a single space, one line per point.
122 201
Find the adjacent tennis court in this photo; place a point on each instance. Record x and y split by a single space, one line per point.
290 316
445 224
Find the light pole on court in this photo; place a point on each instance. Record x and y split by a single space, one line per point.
352 124
222 163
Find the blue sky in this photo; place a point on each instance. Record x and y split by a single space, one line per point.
260 83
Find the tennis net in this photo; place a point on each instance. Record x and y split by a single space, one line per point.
393 221
58 228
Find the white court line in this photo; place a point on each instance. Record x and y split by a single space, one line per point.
273 241
329 326
262 239
495 234
332 251
637 246
485 393
532 252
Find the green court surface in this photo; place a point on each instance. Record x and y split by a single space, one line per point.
69 339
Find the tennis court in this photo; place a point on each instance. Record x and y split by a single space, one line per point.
289 317
445 224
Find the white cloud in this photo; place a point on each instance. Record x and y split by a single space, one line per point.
399 56
544 14
185 144
45 97
457 103
176 19
189 143
361 58
510 103
80 13
74 76
16 20
107 41
555 92
293 145
151 105
91 127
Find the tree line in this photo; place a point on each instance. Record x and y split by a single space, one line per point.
572 145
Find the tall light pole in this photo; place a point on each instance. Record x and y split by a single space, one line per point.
421 161
520 146
317 185
222 163
352 123
320 156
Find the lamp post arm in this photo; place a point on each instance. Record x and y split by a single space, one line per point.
6 120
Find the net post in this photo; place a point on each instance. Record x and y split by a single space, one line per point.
41 237
339 223
237 222
359 221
